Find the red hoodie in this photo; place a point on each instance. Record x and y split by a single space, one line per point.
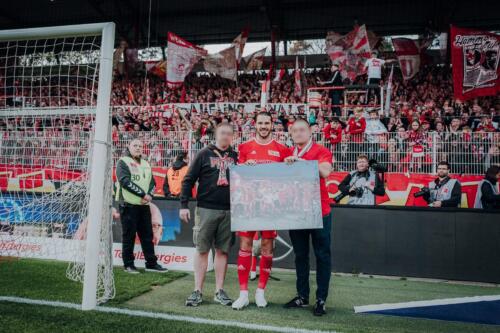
356 128
334 135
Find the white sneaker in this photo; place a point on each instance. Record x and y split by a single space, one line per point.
253 275
242 301
260 300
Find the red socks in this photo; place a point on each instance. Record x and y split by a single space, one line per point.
254 264
244 263
266 262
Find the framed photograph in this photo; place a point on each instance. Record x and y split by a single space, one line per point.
275 196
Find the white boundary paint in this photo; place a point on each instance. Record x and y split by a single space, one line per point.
415 304
165 316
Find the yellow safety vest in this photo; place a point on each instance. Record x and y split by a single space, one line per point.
140 174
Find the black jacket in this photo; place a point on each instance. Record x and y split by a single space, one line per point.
205 170
489 199
456 194
378 189
336 80
177 165
123 177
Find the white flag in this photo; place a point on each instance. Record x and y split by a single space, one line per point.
182 56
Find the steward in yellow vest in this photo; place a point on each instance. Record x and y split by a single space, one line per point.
134 188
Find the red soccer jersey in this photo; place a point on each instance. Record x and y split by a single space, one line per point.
321 154
262 153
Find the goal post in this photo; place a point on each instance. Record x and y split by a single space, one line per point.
102 144
42 97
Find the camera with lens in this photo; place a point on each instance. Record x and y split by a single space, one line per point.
356 192
422 192
376 166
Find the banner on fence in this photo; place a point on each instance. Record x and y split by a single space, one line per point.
399 186
166 110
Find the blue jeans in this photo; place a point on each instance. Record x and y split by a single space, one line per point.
321 239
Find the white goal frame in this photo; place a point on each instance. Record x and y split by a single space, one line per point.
101 140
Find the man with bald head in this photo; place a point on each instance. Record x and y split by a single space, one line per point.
134 187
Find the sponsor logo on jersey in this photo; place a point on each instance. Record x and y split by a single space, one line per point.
273 153
253 152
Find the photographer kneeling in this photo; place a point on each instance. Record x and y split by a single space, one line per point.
443 191
363 184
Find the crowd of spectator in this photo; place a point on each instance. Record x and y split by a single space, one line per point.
424 123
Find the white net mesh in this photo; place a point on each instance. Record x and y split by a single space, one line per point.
48 95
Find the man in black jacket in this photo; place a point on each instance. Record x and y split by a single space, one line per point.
134 188
212 225
335 94
362 185
443 191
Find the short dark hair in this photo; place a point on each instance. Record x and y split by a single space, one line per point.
445 163
264 114
182 155
492 172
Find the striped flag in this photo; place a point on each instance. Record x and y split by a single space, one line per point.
298 85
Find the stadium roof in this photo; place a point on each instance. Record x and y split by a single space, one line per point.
219 21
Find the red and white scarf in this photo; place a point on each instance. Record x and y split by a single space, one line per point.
304 150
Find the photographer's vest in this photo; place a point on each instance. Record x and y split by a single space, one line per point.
174 179
479 194
140 174
442 192
368 198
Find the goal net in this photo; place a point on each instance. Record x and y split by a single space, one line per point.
55 150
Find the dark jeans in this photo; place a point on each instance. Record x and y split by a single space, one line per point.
336 95
371 91
321 244
137 219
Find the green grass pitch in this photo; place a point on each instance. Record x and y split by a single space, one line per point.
165 293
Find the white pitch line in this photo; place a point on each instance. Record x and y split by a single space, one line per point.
157 315
415 304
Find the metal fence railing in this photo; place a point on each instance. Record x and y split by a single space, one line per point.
468 153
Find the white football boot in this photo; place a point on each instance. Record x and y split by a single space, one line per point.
242 301
260 300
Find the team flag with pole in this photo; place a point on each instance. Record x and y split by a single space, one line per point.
181 58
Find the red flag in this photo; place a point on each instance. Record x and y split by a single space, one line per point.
298 85
475 57
408 54
270 73
181 58
239 44
350 51
183 94
158 68
130 94
279 75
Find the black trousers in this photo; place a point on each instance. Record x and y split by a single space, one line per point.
335 96
137 219
373 91
321 239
